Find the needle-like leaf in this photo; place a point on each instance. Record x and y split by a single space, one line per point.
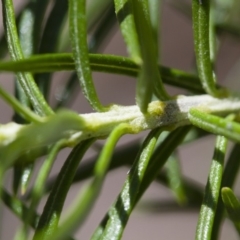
100 63
87 198
214 124
232 205
174 175
212 190
26 113
51 214
156 162
120 212
201 27
39 187
26 80
78 34
229 177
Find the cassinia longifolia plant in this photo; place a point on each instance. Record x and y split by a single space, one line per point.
36 40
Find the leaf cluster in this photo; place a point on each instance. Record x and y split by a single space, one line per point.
51 36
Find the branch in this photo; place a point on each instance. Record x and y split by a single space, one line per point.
170 115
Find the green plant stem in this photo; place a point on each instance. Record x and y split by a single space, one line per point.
50 217
23 138
209 205
26 80
78 33
170 115
87 198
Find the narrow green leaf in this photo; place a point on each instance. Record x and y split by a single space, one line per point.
26 113
124 156
149 80
210 200
121 210
229 177
214 124
19 208
3 40
101 33
39 187
212 37
49 219
95 12
121 156
201 19
175 180
22 176
31 20
26 80
88 196
23 99
161 155
232 206
135 25
221 27
125 18
78 34
156 162
101 63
